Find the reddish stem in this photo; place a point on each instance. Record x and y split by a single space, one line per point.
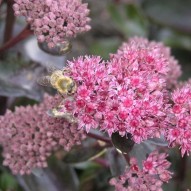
98 137
9 22
21 36
0 2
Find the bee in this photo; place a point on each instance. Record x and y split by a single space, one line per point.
60 112
65 85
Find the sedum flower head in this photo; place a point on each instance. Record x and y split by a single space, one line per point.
127 94
29 136
157 50
179 119
91 76
154 173
139 70
54 20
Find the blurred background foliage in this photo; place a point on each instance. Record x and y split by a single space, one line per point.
113 22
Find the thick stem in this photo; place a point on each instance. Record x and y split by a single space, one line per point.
21 36
9 23
101 138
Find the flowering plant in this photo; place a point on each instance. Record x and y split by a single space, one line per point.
125 111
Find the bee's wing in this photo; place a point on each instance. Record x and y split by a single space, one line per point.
57 114
51 69
44 81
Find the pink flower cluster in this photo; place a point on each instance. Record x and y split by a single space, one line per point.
179 119
173 67
139 70
151 178
127 94
54 20
29 136
90 101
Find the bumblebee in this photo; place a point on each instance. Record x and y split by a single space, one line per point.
57 114
60 112
65 85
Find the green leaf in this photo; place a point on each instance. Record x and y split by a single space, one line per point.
184 58
7 181
105 46
174 39
170 186
129 20
171 13
115 13
133 13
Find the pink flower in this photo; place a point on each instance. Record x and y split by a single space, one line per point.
154 173
173 68
127 94
88 102
29 136
54 20
139 70
179 119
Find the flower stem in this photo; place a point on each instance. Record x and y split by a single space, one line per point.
10 20
21 36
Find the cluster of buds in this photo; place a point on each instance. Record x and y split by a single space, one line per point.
54 20
29 136
179 119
